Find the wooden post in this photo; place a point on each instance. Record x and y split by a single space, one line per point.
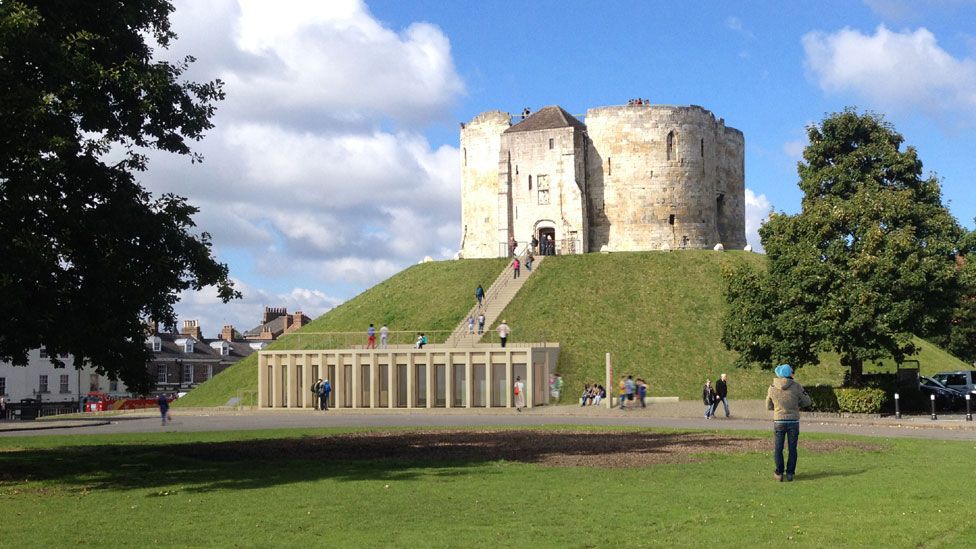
609 385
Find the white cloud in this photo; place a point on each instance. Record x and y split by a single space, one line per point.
317 174
734 23
794 148
899 71
757 211
245 313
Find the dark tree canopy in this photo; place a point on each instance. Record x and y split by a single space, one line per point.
88 255
868 263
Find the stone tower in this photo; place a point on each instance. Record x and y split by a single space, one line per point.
636 177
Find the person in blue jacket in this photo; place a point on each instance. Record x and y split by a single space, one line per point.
324 391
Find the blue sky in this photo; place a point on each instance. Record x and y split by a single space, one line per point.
333 163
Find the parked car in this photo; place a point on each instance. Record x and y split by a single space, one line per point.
946 398
961 381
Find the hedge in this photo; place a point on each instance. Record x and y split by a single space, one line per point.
865 400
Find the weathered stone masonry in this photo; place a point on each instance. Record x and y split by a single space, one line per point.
636 177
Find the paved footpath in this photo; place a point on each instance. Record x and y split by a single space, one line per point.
681 416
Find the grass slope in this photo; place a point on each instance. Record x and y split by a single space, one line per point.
67 491
426 297
658 313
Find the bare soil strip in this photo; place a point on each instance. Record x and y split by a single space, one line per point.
550 448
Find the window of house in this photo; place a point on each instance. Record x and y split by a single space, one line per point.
552 143
113 385
188 373
188 346
543 184
225 350
3 385
157 344
670 144
94 383
64 384
161 374
42 384
209 371
43 352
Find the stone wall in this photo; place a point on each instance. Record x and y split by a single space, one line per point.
480 145
547 183
640 177
655 175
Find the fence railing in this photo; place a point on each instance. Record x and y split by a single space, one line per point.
358 340
563 246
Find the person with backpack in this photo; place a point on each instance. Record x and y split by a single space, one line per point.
325 390
479 294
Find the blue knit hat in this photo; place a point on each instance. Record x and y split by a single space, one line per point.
783 370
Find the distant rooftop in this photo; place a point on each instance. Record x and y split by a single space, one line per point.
547 118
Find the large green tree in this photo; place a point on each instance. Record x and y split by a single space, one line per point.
867 263
961 340
87 255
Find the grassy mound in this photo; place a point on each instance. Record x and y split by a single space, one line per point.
427 297
659 314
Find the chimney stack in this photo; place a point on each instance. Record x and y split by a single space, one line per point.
192 328
227 334
271 313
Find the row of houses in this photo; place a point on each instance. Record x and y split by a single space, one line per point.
181 361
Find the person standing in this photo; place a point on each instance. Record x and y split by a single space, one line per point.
721 395
785 397
479 294
551 244
512 245
325 391
515 268
503 331
529 258
470 324
317 391
3 408
481 323
163 408
557 387
622 387
535 243
519 390
708 398
371 337
384 336
642 392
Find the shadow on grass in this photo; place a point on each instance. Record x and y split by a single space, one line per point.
827 474
393 456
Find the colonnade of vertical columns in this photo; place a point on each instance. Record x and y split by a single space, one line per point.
285 377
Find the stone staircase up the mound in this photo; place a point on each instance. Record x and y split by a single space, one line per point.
497 297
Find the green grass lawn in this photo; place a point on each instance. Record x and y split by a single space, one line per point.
658 313
427 297
142 489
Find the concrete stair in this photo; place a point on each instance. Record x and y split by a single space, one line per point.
497 297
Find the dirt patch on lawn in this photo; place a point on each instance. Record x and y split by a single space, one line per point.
551 448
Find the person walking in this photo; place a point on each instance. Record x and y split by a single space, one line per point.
785 397
513 245
721 395
503 331
481 323
515 268
384 336
325 390
371 337
708 398
163 408
479 294
529 258
519 390
535 243
470 324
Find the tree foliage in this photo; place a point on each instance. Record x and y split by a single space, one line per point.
961 340
867 263
89 256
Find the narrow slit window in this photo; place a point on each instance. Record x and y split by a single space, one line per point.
671 219
703 148
609 167
551 143
465 156
670 145
530 182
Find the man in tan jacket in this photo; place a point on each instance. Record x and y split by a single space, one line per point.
785 397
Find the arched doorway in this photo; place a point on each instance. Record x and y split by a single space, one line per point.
546 233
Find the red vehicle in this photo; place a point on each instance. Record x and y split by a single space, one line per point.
101 402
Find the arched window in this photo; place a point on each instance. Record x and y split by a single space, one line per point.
670 144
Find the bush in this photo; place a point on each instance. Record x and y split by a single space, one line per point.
861 401
823 398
